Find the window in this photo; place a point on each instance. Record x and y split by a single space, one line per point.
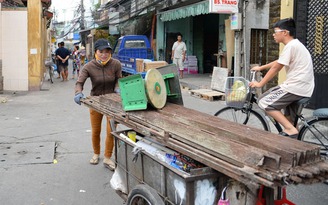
259 41
135 44
117 47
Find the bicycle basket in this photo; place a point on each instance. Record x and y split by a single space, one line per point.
236 90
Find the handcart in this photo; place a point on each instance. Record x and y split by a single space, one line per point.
145 178
230 152
149 180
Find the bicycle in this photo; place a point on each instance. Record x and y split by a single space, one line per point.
313 130
51 70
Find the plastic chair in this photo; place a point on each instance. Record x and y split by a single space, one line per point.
283 200
260 200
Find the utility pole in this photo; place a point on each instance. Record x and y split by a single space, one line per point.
82 27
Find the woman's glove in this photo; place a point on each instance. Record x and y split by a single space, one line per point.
78 97
117 90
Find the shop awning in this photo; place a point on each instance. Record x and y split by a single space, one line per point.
186 11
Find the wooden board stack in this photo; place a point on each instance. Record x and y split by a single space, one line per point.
248 155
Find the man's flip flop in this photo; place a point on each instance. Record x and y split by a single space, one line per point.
294 136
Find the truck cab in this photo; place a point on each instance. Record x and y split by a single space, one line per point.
129 48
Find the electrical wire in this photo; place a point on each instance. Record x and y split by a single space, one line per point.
126 12
120 6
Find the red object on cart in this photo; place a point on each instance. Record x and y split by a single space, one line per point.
283 200
260 200
223 200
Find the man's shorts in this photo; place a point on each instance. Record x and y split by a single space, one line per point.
63 67
278 99
179 63
58 67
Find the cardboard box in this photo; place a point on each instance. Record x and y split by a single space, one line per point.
140 64
154 64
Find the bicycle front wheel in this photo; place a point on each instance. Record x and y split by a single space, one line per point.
241 116
316 133
51 74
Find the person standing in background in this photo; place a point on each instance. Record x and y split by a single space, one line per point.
82 57
76 61
57 61
63 55
179 54
104 72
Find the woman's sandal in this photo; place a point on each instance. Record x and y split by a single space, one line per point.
108 163
294 136
95 159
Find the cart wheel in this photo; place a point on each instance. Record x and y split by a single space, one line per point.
144 195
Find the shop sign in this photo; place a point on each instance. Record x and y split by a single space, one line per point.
223 6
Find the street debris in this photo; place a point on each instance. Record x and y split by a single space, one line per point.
3 99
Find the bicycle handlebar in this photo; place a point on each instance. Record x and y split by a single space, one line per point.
253 75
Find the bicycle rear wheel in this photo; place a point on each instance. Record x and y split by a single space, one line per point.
316 133
51 74
240 116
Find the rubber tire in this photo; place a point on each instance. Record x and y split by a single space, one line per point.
262 124
51 74
306 133
145 192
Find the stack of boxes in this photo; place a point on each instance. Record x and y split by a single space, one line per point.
143 65
154 64
190 65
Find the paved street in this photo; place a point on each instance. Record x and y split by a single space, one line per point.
49 118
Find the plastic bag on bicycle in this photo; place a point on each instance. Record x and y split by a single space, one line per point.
238 91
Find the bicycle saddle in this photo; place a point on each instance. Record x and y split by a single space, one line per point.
301 104
304 101
321 112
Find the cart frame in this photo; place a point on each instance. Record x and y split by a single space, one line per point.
157 175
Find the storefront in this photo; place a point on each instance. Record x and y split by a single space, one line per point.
203 32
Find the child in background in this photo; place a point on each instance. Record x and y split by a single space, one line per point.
83 59
76 61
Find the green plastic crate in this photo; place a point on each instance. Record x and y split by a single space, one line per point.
133 93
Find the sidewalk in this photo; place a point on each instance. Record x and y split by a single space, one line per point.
196 81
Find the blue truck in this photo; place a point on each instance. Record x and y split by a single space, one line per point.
128 49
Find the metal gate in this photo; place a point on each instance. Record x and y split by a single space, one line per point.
312 29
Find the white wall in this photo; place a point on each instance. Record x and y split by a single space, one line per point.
0 33
258 15
14 50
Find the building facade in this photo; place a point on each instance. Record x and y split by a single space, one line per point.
24 43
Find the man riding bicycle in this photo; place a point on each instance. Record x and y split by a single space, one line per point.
299 81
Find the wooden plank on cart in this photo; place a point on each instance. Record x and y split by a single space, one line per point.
243 153
245 134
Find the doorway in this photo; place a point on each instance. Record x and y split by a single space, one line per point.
170 39
206 35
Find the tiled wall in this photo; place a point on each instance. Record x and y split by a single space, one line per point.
1 77
14 50
0 33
